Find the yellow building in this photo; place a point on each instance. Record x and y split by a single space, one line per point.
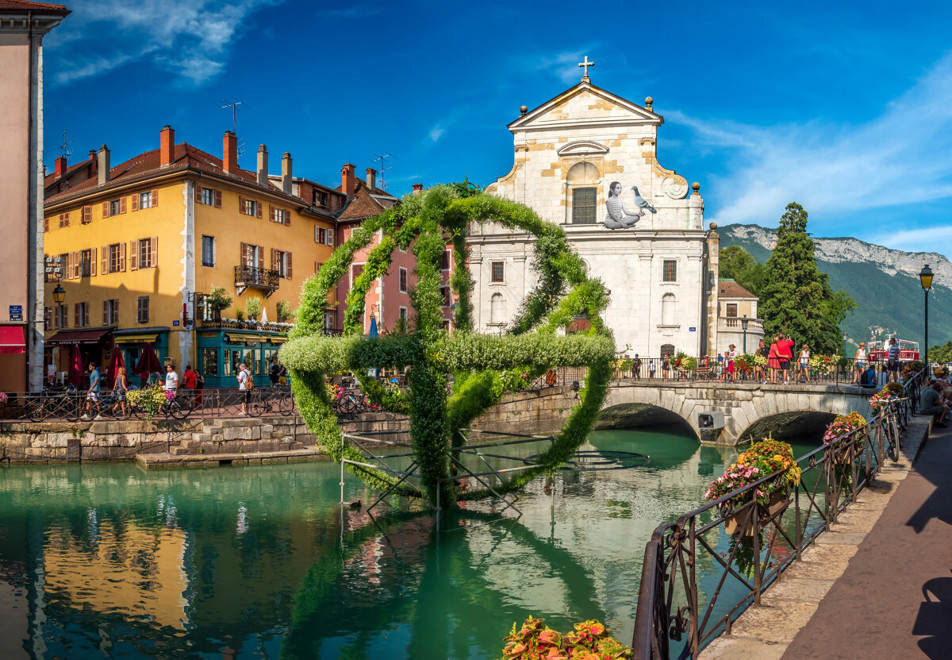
138 246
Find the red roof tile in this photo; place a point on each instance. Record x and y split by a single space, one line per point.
366 203
731 289
23 5
146 165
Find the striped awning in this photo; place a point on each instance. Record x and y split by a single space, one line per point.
137 339
252 339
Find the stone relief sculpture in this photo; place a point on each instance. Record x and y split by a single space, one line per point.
618 216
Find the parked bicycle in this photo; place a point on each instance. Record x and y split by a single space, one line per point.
65 404
277 400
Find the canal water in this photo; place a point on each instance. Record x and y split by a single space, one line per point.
112 561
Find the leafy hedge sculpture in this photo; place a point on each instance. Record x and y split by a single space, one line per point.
481 364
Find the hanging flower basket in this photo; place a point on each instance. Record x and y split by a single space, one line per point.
761 459
843 424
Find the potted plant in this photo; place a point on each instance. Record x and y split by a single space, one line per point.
881 399
253 308
284 311
217 302
842 425
763 458
590 639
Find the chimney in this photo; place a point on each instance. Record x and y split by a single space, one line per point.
262 165
348 182
229 159
60 166
286 173
166 145
92 163
103 165
371 178
417 188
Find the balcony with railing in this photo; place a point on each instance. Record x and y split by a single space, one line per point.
263 279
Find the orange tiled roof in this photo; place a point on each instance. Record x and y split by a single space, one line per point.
731 289
23 5
146 165
366 203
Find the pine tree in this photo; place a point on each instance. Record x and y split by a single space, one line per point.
796 299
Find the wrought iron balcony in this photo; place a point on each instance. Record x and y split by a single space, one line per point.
248 277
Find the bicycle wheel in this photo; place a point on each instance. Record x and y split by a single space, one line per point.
286 404
37 412
348 404
178 408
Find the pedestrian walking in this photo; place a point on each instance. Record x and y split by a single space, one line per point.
93 394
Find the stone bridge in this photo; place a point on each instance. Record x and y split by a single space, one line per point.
748 409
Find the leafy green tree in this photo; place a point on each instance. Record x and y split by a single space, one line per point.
796 298
737 264
941 354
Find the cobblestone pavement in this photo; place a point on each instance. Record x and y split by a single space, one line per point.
878 584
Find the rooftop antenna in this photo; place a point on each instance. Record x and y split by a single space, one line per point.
382 169
234 123
64 148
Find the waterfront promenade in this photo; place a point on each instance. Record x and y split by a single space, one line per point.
878 584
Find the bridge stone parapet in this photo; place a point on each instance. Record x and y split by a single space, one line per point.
742 404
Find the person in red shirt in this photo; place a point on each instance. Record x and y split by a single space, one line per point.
189 379
785 353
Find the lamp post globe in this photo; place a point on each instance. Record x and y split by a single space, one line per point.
743 324
59 294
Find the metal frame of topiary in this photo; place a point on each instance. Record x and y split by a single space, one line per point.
425 223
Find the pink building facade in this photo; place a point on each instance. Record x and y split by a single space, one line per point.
22 28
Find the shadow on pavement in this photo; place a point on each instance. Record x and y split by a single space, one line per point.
935 615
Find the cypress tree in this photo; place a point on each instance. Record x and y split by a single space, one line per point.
796 298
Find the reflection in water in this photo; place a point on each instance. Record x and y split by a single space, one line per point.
111 561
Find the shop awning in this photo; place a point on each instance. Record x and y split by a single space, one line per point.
11 339
246 339
67 337
137 339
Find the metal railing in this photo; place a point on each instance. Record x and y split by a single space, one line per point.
711 371
675 616
262 278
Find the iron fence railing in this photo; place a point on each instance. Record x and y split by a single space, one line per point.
697 578
262 278
710 370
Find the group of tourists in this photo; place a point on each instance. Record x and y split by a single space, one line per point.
191 380
936 398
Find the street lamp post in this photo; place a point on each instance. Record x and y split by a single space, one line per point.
743 324
925 278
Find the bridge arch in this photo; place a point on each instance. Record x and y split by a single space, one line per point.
744 405
635 415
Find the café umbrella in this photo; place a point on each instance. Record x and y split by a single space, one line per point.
148 363
76 367
117 361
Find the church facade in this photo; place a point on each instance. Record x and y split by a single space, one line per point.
587 160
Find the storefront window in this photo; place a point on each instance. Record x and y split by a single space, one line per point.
227 362
210 361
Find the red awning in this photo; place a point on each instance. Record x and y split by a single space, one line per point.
67 337
11 339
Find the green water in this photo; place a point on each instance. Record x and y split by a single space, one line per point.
111 561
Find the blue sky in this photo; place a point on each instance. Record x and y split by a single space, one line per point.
843 107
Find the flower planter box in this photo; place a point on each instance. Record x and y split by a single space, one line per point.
778 504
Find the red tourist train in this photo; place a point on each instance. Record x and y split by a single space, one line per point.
908 350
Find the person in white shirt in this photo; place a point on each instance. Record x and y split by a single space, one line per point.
859 362
244 376
804 364
892 360
171 378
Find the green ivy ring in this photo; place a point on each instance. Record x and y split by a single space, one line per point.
482 365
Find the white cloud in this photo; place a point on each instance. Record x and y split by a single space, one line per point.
187 37
436 132
563 65
837 171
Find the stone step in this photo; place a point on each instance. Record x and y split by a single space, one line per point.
205 460
237 422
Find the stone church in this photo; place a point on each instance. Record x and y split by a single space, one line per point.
587 160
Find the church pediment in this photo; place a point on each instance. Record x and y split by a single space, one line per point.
585 104
583 148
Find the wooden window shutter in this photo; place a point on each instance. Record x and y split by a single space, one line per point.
261 256
87 214
135 202
104 266
154 244
274 259
217 199
76 315
105 209
133 255
155 197
122 205
244 255
77 265
260 210
271 212
92 263
288 271
122 257
287 217
46 225
105 312
242 207
198 194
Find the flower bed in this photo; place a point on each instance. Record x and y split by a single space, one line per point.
589 641
149 399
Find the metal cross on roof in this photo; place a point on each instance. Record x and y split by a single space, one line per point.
585 66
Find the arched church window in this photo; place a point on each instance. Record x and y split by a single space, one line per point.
496 309
582 180
667 309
